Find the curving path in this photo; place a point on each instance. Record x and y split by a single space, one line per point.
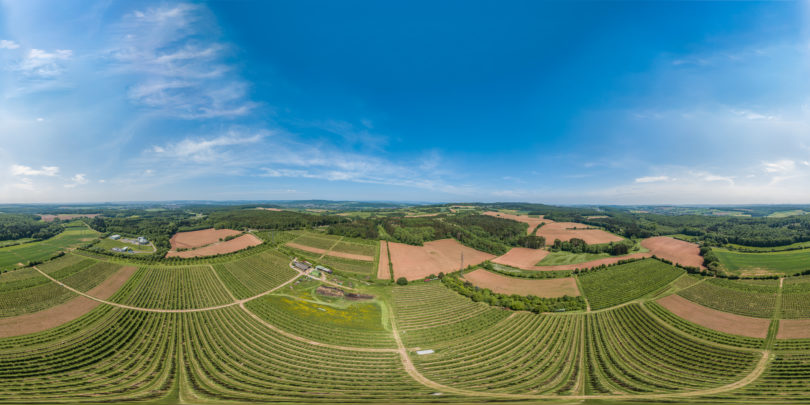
410 368
134 308
408 364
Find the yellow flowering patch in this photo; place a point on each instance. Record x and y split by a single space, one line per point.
356 316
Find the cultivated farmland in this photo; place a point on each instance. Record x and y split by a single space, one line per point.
441 256
249 328
549 288
625 282
674 250
766 263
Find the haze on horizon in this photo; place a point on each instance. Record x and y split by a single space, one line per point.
555 102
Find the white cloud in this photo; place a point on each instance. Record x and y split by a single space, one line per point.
205 149
8 44
20 170
781 166
652 179
43 64
178 64
754 116
77 180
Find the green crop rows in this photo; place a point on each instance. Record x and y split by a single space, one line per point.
173 288
625 282
255 274
742 298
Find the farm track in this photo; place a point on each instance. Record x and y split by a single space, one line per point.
134 308
410 368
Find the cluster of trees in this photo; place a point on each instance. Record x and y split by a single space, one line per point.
263 219
514 301
19 226
489 234
576 245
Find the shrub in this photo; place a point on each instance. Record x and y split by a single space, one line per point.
402 281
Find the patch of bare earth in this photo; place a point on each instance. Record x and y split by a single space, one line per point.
533 222
344 255
793 329
549 288
714 319
233 245
565 231
66 217
269 209
674 250
195 239
521 257
64 313
382 267
415 262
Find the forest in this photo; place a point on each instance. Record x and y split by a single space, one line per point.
19 226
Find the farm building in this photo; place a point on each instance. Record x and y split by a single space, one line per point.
303 266
115 237
142 240
324 269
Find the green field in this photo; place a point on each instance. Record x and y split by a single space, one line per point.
562 257
75 234
247 328
625 282
752 264
738 297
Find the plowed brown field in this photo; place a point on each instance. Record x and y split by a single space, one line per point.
548 288
383 272
793 329
200 238
66 217
521 257
64 313
415 262
714 319
232 245
674 250
564 231
533 222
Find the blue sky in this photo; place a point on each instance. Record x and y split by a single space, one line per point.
555 102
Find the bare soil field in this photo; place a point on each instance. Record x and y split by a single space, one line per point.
521 258
674 250
64 313
564 231
793 329
383 272
415 262
269 209
548 288
533 222
344 255
66 217
195 239
714 319
232 245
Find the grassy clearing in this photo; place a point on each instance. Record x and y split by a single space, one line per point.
75 234
562 257
787 262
